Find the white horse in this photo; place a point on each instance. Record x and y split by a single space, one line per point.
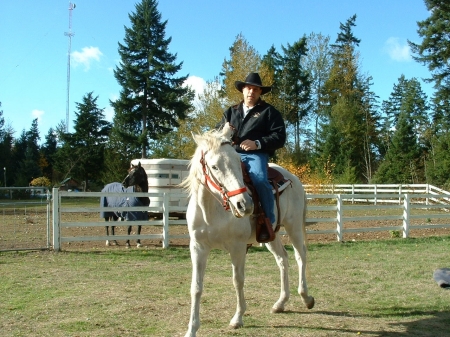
216 180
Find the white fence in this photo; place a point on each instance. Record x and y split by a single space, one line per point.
403 200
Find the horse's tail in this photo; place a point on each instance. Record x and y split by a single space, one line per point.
305 241
304 219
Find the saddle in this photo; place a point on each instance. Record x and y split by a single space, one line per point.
264 230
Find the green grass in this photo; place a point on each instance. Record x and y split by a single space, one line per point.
375 288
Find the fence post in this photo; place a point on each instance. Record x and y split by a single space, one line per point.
339 224
55 215
375 190
406 215
166 220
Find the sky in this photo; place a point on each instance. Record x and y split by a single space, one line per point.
34 45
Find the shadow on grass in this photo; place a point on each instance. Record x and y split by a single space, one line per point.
433 323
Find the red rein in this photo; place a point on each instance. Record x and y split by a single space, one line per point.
223 192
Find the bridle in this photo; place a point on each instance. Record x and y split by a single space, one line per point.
210 180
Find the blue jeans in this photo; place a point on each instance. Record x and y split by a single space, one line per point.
256 164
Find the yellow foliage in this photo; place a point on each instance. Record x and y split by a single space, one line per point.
308 177
41 181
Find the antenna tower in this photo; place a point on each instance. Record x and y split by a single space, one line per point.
69 34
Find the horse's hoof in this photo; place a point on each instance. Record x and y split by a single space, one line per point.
311 303
276 310
235 326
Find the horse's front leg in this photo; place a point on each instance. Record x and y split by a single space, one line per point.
281 257
138 242
108 242
237 254
199 257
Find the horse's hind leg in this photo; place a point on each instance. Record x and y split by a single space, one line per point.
298 239
281 257
127 244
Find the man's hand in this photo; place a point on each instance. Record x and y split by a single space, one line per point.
248 145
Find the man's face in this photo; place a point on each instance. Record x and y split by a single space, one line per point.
251 94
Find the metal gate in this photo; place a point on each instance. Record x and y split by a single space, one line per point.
25 216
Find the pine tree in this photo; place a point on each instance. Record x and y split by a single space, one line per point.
26 156
82 153
434 51
151 100
348 110
402 163
47 152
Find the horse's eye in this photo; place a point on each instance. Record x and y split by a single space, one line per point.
214 167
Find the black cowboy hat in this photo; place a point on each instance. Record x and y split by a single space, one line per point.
252 79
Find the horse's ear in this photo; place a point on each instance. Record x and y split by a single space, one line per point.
228 131
196 138
139 164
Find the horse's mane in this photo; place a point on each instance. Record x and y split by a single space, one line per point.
208 141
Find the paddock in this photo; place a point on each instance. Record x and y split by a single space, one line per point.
373 288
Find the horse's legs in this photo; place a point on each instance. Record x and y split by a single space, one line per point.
238 255
127 244
138 242
199 255
281 257
298 240
114 242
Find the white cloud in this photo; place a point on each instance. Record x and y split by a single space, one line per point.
37 114
196 83
396 50
86 56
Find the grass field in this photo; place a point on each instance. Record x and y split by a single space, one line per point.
374 288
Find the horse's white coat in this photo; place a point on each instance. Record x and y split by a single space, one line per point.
211 226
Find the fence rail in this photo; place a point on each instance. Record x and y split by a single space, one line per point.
369 198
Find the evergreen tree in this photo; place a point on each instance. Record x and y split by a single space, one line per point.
438 163
407 98
434 51
26 156
296 87
83 151
47 152
348 108
151 100
402 163
6 146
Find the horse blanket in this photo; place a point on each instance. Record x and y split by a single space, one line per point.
126 201
442 277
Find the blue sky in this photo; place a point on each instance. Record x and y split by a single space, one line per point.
34 49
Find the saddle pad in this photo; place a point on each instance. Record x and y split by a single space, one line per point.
442 277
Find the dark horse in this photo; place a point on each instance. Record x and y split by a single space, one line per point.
135 181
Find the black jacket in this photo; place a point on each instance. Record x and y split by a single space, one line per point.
263 123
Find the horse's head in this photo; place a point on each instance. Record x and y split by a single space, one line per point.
136 177
217 165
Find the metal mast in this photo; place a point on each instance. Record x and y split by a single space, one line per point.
69 34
